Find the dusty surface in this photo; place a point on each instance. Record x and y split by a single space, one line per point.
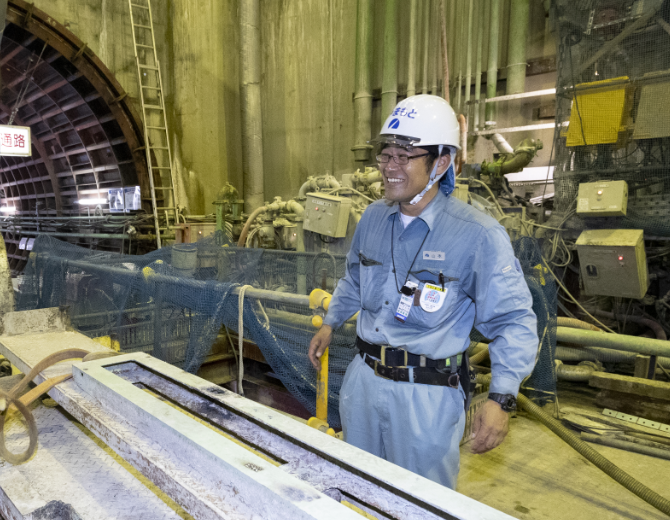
534 474
71 467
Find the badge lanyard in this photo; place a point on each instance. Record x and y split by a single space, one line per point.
408 288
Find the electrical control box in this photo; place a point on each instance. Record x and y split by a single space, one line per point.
602 199
613 262
654 93
327 214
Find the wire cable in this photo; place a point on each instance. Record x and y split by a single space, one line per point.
565 290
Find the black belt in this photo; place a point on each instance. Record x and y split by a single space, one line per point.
446 375
399 357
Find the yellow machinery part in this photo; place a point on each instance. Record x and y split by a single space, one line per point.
319 298
598 113
107 341
317 321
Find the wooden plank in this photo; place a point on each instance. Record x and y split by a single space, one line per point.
631 385
653 409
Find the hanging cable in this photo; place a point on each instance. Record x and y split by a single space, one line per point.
240 338
24 87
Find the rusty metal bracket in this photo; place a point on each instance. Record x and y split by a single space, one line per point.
119 99
80 52
29 14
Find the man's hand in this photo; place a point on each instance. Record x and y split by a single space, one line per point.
319 344
489 427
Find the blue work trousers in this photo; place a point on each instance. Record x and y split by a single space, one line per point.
416 426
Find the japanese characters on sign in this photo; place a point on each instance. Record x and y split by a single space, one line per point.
15 140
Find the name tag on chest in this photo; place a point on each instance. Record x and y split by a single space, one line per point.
433 255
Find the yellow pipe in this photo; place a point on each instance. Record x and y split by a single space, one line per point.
320 422
322 389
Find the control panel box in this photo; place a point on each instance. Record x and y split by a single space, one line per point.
327 214
613 262
603 199
194 231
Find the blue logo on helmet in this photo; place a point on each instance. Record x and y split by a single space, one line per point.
395 123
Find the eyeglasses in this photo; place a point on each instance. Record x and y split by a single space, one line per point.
401 160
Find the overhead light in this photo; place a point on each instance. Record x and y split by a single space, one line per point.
8 209
91 202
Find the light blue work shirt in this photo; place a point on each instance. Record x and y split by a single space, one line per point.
483 279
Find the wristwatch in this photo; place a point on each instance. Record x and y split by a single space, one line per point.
506 401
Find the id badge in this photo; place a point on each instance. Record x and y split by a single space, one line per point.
406 302
432 297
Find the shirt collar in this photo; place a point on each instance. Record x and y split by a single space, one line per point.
429 213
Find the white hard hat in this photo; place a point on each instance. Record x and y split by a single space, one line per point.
420 121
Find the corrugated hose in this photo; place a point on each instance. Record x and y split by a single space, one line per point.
11 399
623 478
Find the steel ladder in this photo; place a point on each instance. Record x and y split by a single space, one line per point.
156 138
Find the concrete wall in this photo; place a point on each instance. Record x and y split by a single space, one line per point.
307 82
201 73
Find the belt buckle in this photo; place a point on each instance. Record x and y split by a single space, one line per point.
377 363
385 348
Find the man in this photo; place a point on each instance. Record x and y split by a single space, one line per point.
422 269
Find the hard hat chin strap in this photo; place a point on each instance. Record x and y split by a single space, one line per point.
434 177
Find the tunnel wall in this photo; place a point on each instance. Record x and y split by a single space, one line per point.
307 103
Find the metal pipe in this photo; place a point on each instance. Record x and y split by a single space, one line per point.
478 62
604 355
453 41
579 373
460 59
390 64
245 230
516 48
445 50
187 283
411 62
250 93
118 236
607 440
492 70
468 61
501 144
426 42
363 95
655 327
435 31
647 346
463 139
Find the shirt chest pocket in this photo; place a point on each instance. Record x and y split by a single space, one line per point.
373 274
437 305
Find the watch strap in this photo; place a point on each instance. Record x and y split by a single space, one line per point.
506 401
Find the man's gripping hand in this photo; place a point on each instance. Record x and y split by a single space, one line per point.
319 344
489 427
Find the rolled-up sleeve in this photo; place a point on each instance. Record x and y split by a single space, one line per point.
346 299
504 311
